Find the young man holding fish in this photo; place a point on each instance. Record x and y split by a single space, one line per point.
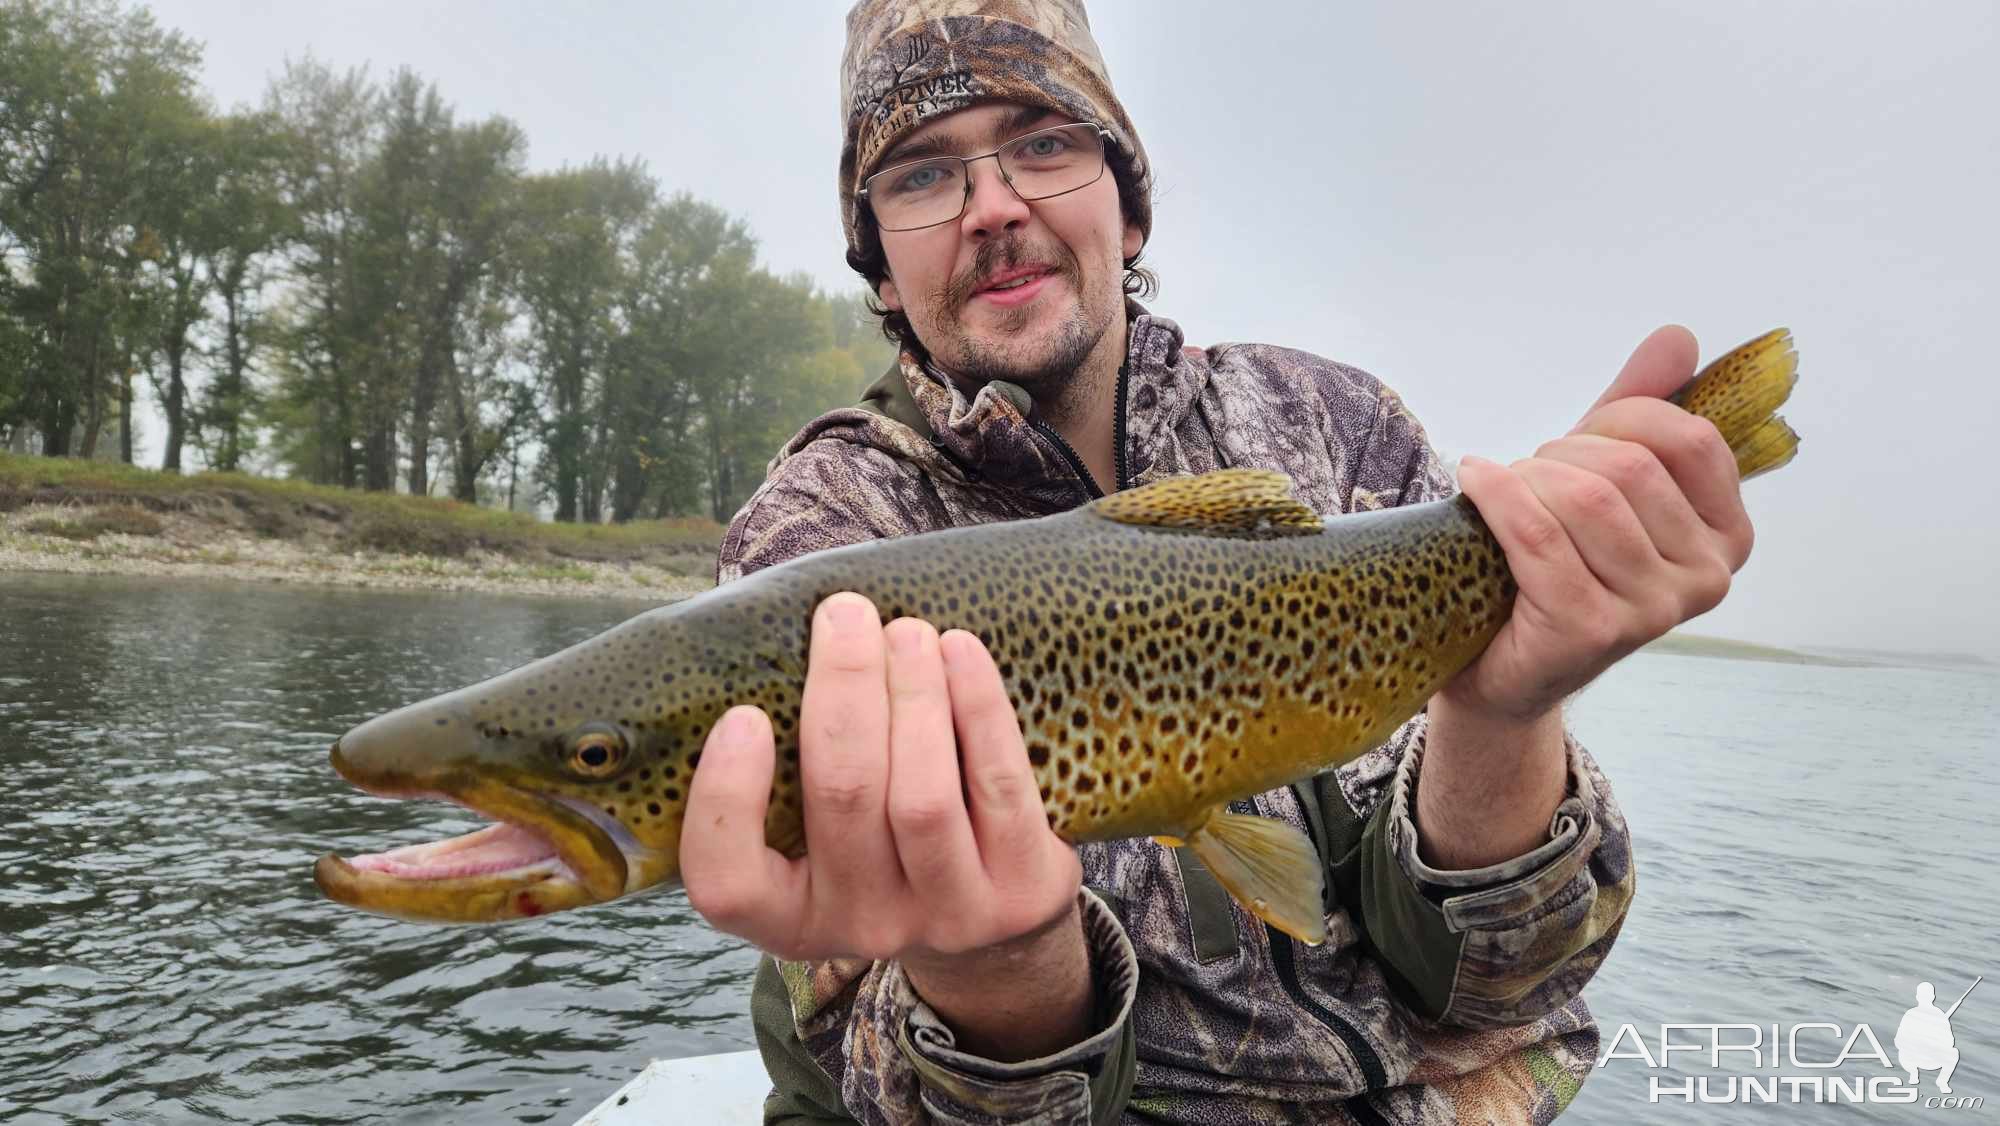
946 956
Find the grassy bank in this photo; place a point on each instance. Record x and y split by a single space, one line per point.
66 515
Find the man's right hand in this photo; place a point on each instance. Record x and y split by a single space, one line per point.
926 841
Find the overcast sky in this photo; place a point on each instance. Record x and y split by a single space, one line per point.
1486 206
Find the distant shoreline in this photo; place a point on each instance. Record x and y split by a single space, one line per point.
1700 645
63 516
250 560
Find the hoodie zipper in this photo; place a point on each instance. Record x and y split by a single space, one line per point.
1117 438
1118 428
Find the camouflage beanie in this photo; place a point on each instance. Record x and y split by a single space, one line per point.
908 61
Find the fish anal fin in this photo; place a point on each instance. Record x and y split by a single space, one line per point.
1253 503
1267 866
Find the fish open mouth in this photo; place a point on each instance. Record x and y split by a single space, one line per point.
544 854
503 849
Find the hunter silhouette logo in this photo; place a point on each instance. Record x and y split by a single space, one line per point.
1923 1040
1806 1062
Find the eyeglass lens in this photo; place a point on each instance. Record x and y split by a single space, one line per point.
1047 162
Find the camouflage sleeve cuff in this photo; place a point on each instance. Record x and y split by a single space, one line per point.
1510 942
1497 894
1084 1085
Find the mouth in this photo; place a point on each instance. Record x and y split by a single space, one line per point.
542 855
1015 286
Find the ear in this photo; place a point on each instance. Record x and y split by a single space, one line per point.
1135 241
890 298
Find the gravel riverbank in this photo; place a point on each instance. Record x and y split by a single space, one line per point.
121 539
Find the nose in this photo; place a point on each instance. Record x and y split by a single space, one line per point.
993 207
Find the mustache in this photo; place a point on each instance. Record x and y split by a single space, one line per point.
999 255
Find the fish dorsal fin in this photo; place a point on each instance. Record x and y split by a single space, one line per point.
1254 503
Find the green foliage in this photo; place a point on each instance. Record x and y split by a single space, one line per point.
353 286
92 99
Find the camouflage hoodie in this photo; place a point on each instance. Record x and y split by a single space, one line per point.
1439 996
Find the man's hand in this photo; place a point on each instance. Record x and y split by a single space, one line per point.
1617 532
926 841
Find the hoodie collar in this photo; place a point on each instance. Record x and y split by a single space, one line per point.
992 436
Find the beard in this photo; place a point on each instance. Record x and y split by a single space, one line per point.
1045 368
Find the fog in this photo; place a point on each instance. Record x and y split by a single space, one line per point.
1487 211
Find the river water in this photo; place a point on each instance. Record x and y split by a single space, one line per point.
1812 841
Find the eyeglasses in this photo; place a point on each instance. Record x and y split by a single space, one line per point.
1038 165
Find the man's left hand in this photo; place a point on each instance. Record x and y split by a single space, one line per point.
1616 532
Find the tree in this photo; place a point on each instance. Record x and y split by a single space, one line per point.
250 224
327 132
471 226
583 220
85 94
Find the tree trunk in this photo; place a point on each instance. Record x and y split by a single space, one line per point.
568 444
718 474
379 459
125 418
93 401
229 384
175 404
348 472
420 447
464 439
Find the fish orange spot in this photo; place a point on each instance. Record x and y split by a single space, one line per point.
526 904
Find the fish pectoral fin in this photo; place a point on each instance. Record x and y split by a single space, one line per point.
1267 866
1249 503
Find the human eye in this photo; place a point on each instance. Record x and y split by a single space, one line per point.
1043 146
920 178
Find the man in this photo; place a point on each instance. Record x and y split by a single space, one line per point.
944 956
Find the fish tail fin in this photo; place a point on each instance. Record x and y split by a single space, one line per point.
1740 392
1768 447
1267 866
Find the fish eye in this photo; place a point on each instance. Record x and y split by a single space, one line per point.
596 750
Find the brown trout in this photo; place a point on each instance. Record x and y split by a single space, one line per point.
1168 649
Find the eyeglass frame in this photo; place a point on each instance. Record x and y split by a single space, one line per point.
1105 141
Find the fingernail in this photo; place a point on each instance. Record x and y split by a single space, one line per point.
845 611
907 643
734 727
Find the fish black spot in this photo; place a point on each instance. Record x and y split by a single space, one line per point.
671 793
653 808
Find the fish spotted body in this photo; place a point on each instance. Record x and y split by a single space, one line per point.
1168 649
